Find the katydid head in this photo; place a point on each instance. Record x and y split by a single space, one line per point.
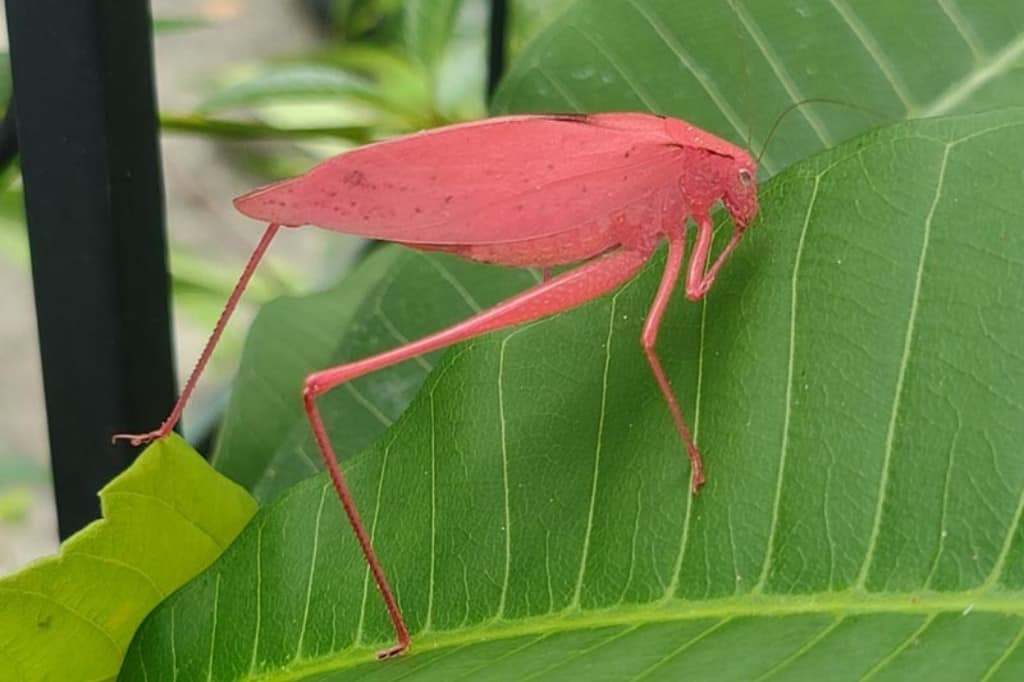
740 195
716 170
726 175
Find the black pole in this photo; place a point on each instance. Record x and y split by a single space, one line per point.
496 46
87 131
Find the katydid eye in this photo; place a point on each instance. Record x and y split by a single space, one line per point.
745 177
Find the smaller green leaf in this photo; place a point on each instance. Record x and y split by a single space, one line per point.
244 130
71 617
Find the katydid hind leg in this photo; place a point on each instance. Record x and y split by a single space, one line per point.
211 343
563 292
649 338
337 479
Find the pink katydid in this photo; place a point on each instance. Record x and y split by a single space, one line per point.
520 191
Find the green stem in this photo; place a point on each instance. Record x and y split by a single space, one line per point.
195 123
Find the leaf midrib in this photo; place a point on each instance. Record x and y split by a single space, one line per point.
844 604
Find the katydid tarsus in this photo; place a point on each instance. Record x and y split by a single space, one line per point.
520 191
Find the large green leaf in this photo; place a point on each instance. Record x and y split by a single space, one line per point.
71 617
855 381
733 66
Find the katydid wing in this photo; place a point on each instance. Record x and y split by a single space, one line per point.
516 191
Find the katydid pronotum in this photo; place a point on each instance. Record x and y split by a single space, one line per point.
520 191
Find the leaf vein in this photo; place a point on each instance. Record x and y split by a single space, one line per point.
119 651
213 629
583 652
876 53
814 641
999 64
373 533
125 565
785 80
902 371
429 619
585 550
400 337
508 654
368 405
680 649
962 27
573 103
648 100
450 277
687 60
259 600
312 570
1002 658
1004 552
787 413
892 655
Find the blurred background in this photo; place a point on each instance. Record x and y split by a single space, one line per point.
249 91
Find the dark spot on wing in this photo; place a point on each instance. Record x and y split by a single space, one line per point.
354 177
